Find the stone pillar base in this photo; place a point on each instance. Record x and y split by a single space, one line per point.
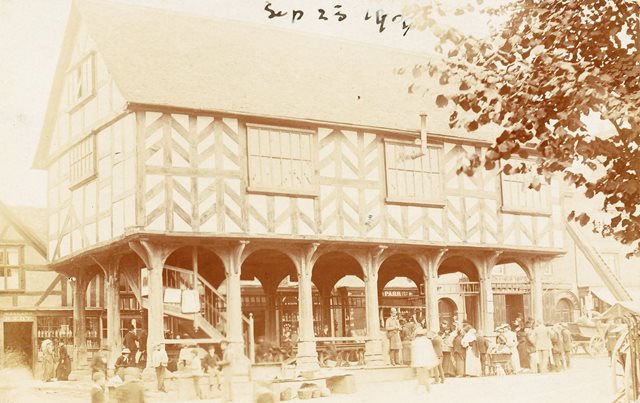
373 353
307 357
241 363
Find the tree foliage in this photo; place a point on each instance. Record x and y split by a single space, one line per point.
548 65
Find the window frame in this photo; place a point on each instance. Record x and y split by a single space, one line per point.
543 211
4 265
439 200
313 191
75 183
74 102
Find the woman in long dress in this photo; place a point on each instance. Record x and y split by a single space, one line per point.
423 357
469 341
64 363
47 360
512 343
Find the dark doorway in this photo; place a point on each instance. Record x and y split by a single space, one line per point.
471 306
18 345
447 310
514 307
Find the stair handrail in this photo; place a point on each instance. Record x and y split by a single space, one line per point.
588 249
248 321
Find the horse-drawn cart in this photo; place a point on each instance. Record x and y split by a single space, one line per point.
588 335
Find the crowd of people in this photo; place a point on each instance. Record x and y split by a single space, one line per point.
461 350
125 385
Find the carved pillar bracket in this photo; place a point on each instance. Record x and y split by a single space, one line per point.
429 265
307 357
154 255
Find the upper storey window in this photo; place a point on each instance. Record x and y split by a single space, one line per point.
281 160
11 275
82 162
411 176
517 197
81 81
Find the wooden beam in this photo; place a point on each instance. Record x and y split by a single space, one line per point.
49 289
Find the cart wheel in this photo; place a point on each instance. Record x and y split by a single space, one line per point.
596 346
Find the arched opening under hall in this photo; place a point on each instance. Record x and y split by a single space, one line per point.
401 286
194 308
339 309
448 310
269 294
458 279
511 292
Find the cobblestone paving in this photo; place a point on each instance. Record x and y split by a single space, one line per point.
589 380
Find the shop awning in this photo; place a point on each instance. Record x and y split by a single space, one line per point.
603 294
621 309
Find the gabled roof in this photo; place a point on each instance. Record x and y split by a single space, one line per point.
30 222
162 58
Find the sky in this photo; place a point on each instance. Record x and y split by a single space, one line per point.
31 33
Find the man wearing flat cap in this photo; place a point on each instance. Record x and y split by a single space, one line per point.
392 326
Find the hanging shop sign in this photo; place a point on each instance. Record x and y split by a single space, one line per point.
190 301
172 295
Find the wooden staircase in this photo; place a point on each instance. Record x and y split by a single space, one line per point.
211 320
608 277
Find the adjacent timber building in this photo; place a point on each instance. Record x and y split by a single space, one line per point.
195 154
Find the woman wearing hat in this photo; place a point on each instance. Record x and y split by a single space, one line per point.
469 341
423 357
124 361
47 360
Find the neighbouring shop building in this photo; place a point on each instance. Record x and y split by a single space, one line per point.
210 181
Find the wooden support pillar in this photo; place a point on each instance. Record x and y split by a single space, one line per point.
233 266
80 284
270 320
111 270
154 256
307 357
486 292
429 265
114 334
537 304
373 344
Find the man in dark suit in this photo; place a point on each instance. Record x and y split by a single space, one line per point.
483 347
436 340
130 341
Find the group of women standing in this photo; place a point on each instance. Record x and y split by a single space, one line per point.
56 362
461 350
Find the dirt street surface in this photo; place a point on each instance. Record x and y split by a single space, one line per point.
588 381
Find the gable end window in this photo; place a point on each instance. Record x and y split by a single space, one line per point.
82 162
281 160
11 273
413 178
81 81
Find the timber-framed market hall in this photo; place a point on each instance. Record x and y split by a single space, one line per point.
214 183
